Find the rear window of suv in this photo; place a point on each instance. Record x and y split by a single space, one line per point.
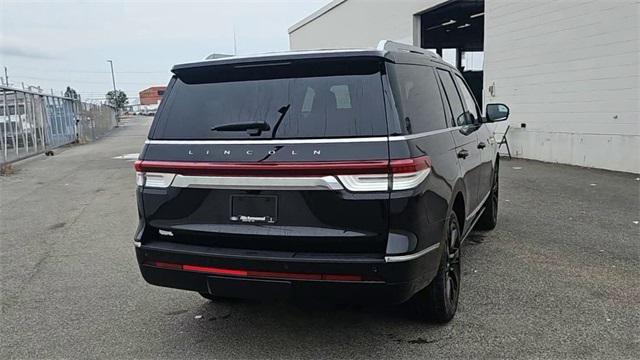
318 100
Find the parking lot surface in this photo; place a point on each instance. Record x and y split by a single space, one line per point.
558 278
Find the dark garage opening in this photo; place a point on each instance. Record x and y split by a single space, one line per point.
455 30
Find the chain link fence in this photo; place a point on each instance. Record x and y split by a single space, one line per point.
32 123
94 121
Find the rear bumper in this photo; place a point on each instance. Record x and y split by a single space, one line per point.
382 281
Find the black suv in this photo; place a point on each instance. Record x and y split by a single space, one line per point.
346 175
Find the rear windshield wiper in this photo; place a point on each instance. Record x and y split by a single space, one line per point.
283 111
253 128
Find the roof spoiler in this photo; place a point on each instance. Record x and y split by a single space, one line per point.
389 45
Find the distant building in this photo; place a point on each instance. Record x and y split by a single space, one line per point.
152 95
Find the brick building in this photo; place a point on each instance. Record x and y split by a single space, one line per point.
152 95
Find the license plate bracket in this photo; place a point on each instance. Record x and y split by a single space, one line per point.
254 208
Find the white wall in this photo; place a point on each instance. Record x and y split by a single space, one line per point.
359 23
568 69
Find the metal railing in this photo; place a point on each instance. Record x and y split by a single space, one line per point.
32 123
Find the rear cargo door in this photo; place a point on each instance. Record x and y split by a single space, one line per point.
287 157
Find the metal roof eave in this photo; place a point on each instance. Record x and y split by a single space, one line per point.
315 15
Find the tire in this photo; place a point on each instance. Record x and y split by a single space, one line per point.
489 218
438 302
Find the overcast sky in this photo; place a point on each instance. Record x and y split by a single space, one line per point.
56 44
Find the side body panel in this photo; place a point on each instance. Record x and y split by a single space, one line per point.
465 138
487 158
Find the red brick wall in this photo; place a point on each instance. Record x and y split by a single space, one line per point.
152 95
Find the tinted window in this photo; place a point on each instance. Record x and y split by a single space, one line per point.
453 98
318 106
417 97
468 100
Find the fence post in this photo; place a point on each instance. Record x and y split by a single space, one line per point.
28 112
4 124
65 118
22 119
48 125
58 115
15 132
3 141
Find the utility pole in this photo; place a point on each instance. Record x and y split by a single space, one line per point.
115 92
113 77
235 45
6 76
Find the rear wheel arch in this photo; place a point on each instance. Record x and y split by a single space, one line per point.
438 302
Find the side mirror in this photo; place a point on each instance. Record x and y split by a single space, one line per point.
497 112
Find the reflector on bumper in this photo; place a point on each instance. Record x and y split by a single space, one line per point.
258 274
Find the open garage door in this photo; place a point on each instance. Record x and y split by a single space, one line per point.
455 30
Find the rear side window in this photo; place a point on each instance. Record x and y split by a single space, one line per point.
333 101
417 97
468 100
453 98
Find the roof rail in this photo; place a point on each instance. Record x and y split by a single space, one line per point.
396 46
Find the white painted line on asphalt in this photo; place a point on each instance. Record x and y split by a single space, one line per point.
132 156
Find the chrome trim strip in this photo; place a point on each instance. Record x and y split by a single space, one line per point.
366 182
401 258
422 134
469 228
257 183
479 206
302 141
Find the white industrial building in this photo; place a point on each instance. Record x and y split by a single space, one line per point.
568 69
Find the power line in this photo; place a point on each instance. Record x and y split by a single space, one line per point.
79 81
98 72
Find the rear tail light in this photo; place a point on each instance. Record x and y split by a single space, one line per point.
401 175
409 173
152 179
361 176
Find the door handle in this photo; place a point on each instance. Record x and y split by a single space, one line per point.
481 145
462 154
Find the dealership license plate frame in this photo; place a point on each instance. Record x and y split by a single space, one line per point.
258 209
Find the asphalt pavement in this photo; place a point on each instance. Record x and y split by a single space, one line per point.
558 277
